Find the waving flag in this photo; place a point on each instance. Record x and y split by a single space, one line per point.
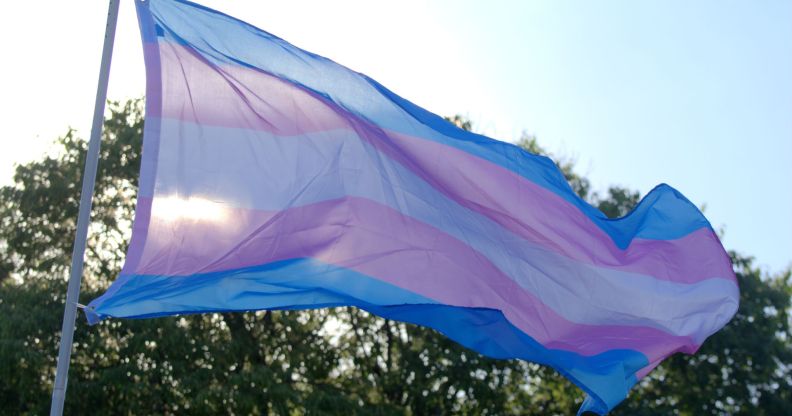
273 178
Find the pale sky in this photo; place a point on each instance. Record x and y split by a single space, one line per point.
694 94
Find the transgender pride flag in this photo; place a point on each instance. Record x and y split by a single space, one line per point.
273 178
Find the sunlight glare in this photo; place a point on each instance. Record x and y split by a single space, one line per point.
172 208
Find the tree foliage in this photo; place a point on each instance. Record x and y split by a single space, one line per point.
329 361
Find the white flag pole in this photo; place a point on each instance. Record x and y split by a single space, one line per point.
83 218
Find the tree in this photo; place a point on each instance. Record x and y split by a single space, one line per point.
745 369
331 361
251 363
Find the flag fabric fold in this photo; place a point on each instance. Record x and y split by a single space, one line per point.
274 178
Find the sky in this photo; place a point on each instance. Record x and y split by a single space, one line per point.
694 94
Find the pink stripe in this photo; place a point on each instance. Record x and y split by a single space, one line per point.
270 103
382 243
542 217
518 204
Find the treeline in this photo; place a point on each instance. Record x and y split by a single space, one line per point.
331 361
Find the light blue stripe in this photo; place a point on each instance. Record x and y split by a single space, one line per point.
307 283
293 283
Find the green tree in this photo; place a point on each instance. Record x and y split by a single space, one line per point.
331 361
241 363
744 369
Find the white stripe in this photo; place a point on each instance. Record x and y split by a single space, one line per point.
258 170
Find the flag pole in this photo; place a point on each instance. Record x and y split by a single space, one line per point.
84 217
